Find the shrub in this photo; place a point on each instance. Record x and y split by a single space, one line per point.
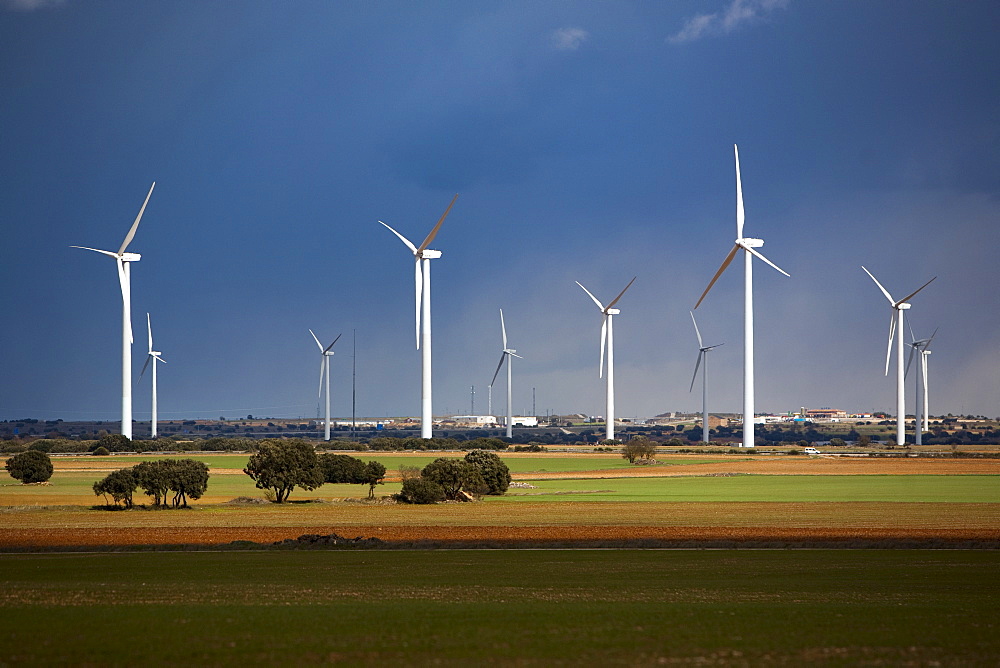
280 466
115 443
30 466
495 474
418 490
454 476
101 451
120 485
638 447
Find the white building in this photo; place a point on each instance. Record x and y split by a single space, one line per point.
521 421
475 420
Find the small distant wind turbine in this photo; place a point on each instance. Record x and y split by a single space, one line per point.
702 353
921 346
506 355
608 337
123 260
422 281
324 371
896 323
748 245
153 356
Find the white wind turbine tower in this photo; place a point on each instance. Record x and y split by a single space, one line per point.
422 280
324 371
123 260
921 346
748 245
153 356
702 353
896 323
506 355
608 337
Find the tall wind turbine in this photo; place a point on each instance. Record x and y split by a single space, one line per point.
506 355
896 323
324 371
702 354
748 245
422 281
123 260
153 356
921 346
608 337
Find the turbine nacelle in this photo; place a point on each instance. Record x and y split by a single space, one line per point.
130 257
612 311
748 242
428 254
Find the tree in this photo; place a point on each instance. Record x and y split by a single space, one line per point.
639 447
864 440
120 485
373 474
495 473
115 443
151 477
30 466
454 476
186 478
280 466
340 469
418 490
837 442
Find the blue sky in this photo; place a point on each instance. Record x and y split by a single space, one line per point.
588 141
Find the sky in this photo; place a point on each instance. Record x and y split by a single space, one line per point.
588 141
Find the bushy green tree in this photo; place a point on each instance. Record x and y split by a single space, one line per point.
342 469
120 485
151 477
30 466
638 447
373 474
280 466
115 443
496 474
454 476
418 490
186 478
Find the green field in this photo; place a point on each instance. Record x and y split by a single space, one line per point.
524 608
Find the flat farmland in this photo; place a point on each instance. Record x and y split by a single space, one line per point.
592 498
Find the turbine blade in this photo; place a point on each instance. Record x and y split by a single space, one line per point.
739 196
149 327
433 233
148 357
700 344
502 356
418 281
910 296
888 350
753 251
928 344
123 281
913 336
96 250
316 339
884 291
516 355
413 249
604 338
599 304
322 367
696 365
503 329
909 359
327 349
725 263
135 225
615 300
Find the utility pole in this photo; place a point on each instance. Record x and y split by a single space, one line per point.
533 403
354 383
473 411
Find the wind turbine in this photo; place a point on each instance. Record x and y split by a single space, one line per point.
702 353
124 280
921 346
422 282
896 323
506 355
153 356
608 337
748 245
324 370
